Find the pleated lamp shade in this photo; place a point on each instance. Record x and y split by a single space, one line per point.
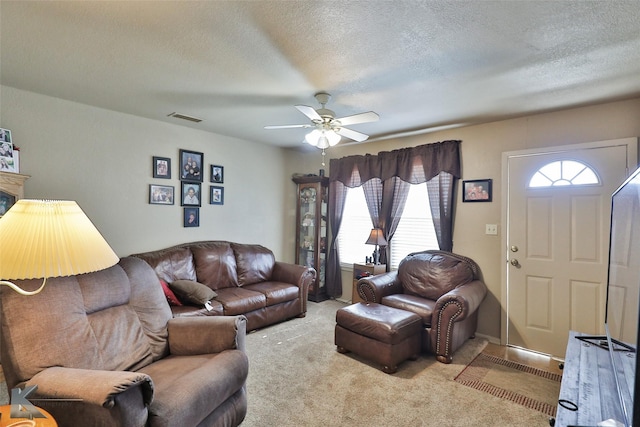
50 238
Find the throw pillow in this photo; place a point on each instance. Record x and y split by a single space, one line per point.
168 293
192 292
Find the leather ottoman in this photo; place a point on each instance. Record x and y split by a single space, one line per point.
385 335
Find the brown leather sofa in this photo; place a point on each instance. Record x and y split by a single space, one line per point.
443 288
246 278
103 350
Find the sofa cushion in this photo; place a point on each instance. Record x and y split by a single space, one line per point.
175 263
172 299
188 388
240 300
192 292
423 307
275 292
431 275
254 263
215 264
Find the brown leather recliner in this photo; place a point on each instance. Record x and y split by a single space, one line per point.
443 288
103 350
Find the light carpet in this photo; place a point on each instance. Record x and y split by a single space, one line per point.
297 378
531 387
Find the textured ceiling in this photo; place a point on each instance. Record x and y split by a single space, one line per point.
241 65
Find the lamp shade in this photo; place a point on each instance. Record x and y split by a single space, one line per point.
376 237
50 238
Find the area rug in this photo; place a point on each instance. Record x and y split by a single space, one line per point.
530 387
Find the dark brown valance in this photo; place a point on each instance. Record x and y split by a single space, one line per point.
414 165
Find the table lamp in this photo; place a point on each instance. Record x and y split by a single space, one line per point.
40 239
376 238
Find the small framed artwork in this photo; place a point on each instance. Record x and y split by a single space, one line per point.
217 195
161 194
6 201
191 193
5 135
191 217
8 155
191 165
217 174
161 167
478 190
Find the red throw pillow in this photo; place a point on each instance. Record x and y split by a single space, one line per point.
171 297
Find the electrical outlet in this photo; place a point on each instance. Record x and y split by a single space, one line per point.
491 229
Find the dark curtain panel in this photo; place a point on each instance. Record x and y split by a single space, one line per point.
333 274
394 197
440 190
373 196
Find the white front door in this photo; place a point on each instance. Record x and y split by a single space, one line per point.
557 239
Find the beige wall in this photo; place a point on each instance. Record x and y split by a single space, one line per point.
103 160
482 147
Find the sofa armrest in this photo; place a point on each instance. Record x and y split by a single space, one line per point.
466 297
374 288
458 305
206 335
298 275
94 387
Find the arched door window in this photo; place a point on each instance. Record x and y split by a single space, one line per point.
563 173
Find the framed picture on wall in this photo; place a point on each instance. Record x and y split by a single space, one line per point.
161 167
478 190
190 193
191 165
161 194
217 174
191 217
216 196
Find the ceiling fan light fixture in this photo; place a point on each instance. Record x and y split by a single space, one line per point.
322 138
333 137
313 137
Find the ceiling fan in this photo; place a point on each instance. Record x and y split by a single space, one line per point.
327 129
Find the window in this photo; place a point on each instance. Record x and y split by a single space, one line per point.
415 231
563 173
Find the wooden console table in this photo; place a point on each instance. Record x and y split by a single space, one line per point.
588 391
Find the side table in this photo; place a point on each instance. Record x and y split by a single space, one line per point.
364 270
6 420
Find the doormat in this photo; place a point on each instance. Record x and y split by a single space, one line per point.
530 387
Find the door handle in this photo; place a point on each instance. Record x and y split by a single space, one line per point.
514 262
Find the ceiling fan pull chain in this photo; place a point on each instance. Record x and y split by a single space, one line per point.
323 154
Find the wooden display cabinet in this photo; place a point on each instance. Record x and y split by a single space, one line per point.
311 230
364 270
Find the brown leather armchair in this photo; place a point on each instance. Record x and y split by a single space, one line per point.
443 288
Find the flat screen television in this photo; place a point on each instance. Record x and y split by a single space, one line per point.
623 296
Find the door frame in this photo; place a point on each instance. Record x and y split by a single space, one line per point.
632 162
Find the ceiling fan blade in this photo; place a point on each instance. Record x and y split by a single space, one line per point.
288 126
352 134
309 112
367 117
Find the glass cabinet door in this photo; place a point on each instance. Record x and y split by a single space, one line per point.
308 226
311 231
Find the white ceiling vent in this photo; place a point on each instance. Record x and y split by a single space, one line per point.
185 117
